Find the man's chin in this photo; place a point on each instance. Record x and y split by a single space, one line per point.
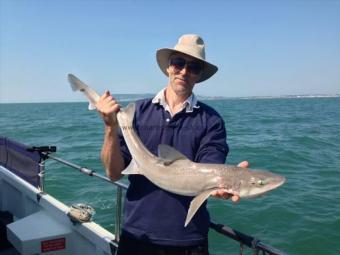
183 92
182 83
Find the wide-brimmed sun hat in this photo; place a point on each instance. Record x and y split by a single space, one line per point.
191 45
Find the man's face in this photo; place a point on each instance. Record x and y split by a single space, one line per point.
184 72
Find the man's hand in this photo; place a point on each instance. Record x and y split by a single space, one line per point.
108 107
222 193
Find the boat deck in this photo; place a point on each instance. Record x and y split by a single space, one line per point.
9 251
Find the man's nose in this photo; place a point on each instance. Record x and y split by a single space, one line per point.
184 70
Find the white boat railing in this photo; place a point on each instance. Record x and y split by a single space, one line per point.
46 154
119 185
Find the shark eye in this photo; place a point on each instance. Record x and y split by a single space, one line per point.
261 182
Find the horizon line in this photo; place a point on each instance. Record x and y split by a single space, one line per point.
200 97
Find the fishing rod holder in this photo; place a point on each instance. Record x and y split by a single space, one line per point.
44 152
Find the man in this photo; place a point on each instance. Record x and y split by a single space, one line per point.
154 218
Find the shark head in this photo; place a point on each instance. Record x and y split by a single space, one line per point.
259 182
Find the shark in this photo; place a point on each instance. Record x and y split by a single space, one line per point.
174 172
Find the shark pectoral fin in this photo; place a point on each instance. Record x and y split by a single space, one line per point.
196 204
131 169
168 154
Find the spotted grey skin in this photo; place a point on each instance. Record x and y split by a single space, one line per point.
172 171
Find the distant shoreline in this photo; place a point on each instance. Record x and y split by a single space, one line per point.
273 97
134 97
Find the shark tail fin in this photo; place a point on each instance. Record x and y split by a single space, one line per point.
78 85
74 82
91 106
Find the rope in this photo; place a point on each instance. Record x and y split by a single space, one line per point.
81 213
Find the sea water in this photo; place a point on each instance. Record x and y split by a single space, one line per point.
295 137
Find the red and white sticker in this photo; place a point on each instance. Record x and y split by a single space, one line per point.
53 245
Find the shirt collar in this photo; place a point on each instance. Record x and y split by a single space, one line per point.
189 104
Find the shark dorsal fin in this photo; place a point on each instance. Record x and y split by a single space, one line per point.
168 154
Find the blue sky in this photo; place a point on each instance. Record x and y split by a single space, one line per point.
262 48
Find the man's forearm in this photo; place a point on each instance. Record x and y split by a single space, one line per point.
111 154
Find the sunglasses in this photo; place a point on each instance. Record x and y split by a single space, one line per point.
193 67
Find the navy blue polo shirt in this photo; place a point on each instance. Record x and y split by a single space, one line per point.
151 213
